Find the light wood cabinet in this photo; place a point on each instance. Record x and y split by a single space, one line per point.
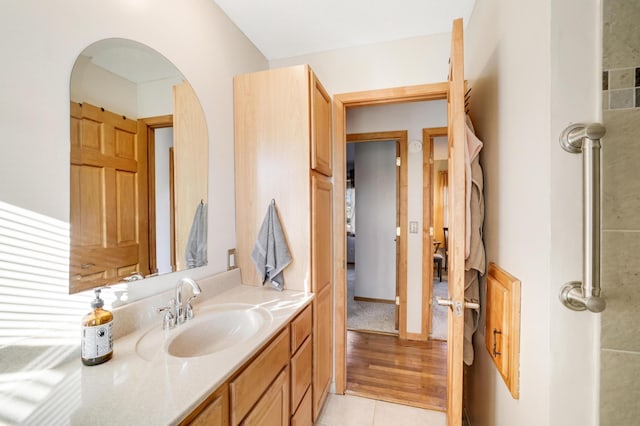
273 388
247 388
301 366
302 416
322 356
283 152
216 413
213 412
273 408
321 147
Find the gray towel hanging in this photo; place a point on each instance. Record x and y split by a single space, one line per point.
271 253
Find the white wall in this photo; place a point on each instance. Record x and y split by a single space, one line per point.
156 97
532 66
99 87
40 41
405 62
412 117
375 177
163 139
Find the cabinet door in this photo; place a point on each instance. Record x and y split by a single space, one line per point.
216 413
300 373
273 408
322 232
322 348
213 412
321 148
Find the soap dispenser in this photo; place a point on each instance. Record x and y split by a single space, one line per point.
97 342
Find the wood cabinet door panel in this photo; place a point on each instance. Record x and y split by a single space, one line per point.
300 328
322 232
246 389
273 407
323 349
321 146
300 373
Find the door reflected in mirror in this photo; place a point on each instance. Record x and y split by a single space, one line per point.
139 167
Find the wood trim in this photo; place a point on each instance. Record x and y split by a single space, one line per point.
151 185
373 300
340 245
152 123
340 104
159 121
423 92
172 210
427 222
400 136
416 337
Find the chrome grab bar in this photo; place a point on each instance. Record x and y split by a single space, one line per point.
585 139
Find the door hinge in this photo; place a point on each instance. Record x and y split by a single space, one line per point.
398 161
431 231
398 300
397 231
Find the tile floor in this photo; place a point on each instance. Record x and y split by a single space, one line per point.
349 410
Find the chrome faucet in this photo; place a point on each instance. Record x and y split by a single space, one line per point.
176 313
185 312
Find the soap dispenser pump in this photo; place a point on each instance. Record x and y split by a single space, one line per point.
97 341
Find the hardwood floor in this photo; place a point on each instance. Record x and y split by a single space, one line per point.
384 367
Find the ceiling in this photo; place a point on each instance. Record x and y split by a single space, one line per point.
286 28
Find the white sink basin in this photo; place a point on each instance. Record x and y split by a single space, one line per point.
213 329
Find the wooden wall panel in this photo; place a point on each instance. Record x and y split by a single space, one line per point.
272 162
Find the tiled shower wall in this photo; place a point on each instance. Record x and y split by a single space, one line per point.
620 340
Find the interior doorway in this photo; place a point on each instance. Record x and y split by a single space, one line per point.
435 275
375 238
161 183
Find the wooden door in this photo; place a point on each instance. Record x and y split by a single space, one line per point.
321 147
456 213
322 286
109 204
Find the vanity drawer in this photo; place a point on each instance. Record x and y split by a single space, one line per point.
300 328
300 373
249 386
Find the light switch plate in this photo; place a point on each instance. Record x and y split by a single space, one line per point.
413 227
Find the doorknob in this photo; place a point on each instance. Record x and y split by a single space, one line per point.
457 305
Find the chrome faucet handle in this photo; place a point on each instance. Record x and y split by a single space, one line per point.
188 311
169 319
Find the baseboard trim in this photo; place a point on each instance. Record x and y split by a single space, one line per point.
374 300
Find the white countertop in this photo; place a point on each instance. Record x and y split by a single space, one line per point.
163 390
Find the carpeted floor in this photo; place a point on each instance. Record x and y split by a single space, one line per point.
367 315
439 314
381 316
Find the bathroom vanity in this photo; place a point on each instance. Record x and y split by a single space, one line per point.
260 377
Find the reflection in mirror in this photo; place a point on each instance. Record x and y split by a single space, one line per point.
139 167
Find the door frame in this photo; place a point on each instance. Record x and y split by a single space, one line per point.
428 135
153 123
401 138
425 92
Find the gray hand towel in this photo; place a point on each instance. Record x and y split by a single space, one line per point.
271 253
196 250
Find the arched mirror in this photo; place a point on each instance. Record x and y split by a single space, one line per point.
139 167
